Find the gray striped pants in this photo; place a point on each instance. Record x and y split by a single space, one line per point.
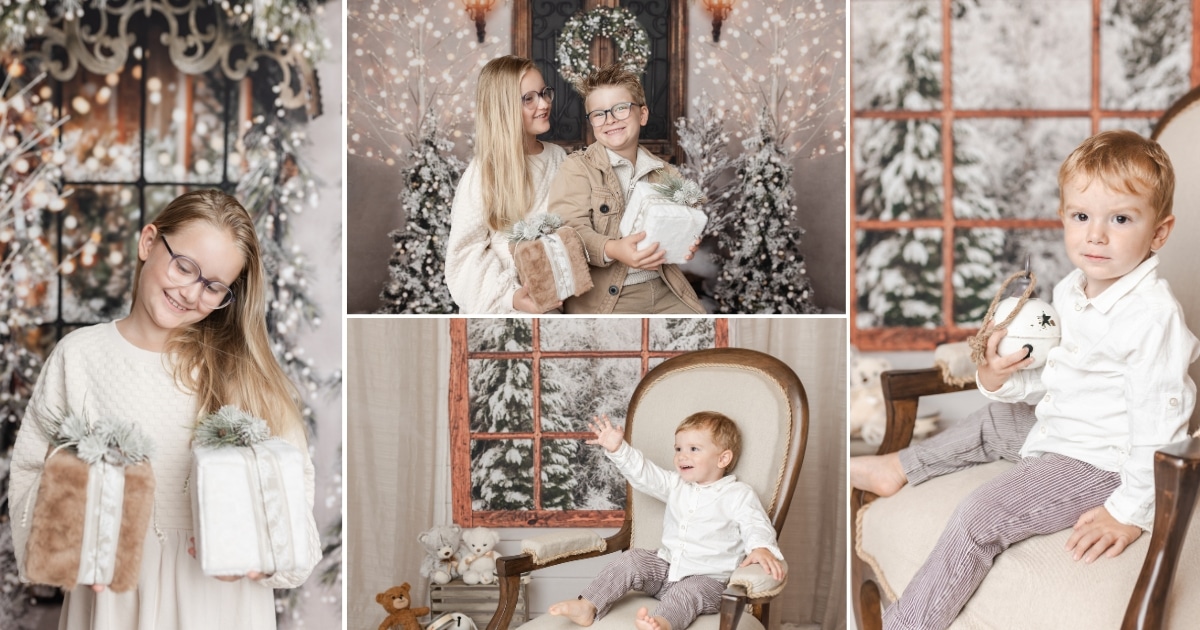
1040 495
642 570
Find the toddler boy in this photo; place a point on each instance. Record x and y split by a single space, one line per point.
1112 393
712 522
590 192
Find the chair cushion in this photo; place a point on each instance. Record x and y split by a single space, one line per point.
1032 585
621 616
562 544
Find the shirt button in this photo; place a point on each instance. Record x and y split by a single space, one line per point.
1078 306
603 208
1047 398
613 290
1050 363
1042 431
1174 402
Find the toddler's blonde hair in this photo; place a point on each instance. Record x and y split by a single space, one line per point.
724 432
1125 162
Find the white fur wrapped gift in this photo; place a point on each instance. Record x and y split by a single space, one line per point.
666 212
249 510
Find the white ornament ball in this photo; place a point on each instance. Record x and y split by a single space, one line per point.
1036 326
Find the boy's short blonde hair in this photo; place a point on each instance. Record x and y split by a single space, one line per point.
1125 162
725 433
614 75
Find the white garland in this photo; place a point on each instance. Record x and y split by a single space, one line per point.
615 23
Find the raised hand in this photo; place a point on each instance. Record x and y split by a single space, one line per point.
608 435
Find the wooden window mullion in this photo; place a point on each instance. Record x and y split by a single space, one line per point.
947 171
460 424
537 415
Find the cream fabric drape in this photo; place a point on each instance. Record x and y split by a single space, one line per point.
814 535
397 392
397 375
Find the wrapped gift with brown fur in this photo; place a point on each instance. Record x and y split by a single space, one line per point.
551 262
94 504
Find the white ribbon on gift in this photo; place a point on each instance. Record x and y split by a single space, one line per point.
560 265
102 523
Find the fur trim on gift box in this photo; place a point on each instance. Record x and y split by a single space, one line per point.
56 534
536 270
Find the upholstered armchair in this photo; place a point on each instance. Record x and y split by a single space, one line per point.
766 399
1035 584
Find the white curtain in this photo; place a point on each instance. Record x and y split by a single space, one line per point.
397 392
397 380
814 534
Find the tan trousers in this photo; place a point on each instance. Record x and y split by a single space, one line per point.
650 298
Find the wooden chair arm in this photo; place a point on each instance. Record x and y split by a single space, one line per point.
735 599
1176 481
509 570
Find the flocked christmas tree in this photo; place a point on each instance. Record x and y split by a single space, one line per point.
764 270
703 138
417 267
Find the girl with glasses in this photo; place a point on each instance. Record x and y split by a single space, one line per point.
507 180
195 339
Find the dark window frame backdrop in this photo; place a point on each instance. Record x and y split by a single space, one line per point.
946 113
462 435
536 26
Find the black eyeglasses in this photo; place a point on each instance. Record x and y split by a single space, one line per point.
620 111
529 99
184 271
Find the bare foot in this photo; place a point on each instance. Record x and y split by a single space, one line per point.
581 612
644 621
880 474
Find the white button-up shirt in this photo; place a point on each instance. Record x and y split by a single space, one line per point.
1116 388
707 529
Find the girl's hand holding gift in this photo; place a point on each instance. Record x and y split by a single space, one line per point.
607 435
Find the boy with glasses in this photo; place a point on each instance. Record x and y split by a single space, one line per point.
590 192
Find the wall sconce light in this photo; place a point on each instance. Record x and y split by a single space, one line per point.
720 10
478 10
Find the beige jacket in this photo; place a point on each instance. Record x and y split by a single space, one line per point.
588 196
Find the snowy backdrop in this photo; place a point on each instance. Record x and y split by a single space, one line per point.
570 392
1021 100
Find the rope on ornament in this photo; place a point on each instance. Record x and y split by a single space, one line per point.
978 343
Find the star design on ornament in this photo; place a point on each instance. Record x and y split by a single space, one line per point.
1045 321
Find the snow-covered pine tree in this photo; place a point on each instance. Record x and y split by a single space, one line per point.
899 272
417 267
764 270
560 458
501 401
703 138
1155 56
978 252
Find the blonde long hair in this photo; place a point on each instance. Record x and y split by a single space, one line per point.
500 142
226 358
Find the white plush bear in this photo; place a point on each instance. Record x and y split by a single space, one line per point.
440 543
868 416
477 557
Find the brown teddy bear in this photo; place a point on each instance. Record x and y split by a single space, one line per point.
396 602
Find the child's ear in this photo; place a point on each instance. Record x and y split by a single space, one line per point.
1161 233
645 115
725 458
146 241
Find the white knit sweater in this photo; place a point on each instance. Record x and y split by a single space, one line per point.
480 271
95 371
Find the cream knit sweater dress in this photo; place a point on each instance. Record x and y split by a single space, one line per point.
480 271
95 371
